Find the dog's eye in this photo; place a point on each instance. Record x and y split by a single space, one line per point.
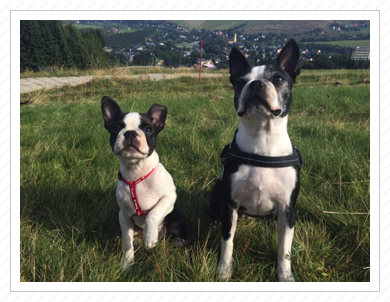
148 129
116 129
277 79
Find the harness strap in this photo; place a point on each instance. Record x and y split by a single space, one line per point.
260 160
133 194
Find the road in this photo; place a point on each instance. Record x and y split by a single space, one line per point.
33 84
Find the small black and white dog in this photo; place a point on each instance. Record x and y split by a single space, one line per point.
145 192
260 168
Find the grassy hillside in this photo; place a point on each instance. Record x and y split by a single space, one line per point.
217 24
84 26
69 218
289 27
347 43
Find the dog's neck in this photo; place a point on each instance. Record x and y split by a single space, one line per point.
134 169
268 138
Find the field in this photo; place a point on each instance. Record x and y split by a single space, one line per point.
218 24
290 27
346 43
84 26
93 26
69 218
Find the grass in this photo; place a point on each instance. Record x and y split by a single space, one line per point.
69 225
346 43
85 26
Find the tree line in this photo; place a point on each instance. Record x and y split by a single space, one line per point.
126 39
53 43
167 53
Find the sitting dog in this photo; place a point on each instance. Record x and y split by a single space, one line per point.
260 168
145 191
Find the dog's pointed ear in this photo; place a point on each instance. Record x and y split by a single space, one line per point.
238 65
289 58
110 110
158 114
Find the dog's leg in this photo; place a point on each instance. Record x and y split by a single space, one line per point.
127 227
286 221
229 223
175 225
155 218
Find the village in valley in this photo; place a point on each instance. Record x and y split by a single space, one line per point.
171 44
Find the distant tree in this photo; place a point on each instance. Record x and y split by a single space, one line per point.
249 43
93 44
143 59
126 40
79 53
30 39
60 41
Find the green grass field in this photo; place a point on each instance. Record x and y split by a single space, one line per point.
69 217
93 26
84 26
346 43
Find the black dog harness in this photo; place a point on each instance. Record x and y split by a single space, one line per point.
251 159
260 160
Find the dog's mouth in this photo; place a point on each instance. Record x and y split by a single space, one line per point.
258 102
131 147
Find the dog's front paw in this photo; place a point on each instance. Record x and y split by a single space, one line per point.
127 265
127 268
288 277
150 237
224 269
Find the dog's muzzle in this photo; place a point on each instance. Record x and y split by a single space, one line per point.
258 94
265 92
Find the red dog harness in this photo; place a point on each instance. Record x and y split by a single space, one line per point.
133 195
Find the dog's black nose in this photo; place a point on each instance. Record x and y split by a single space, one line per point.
130 134
258 84
276 112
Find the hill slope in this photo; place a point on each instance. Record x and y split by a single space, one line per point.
289 27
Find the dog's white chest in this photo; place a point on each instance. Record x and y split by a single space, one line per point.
260 190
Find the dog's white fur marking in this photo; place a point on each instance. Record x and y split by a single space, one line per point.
285 238
263 136
262 190
257 73
225 264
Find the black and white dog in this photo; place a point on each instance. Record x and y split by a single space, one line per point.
260 168
145 192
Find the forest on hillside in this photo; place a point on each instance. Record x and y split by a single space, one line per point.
53 43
